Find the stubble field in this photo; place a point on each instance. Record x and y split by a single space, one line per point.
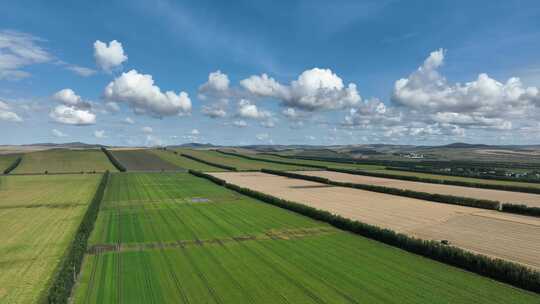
508 236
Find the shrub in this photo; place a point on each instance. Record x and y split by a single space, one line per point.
521 209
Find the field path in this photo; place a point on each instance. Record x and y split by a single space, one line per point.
508 236
528 199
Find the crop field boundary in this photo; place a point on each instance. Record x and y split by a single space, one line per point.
70 265
118 165
270 160
284 234
501 270
13 165
209 163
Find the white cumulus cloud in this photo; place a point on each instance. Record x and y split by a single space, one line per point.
72 116
140 93
315 89
7 115
69 98
147 130
246 109
109 56
99 134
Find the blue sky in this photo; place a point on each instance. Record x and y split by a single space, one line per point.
290 72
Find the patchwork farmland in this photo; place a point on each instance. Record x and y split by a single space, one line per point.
143 160
239 163
64 161
7 160
382 169
528 199
38 218
176 158
172 237
163 235
507 236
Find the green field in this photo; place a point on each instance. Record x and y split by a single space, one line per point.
6 160
143 160
185 162
381 169
64 161
240 163
175 238
38 218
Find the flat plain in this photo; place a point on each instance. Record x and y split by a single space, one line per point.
38 218
528 199
64 161
143 160
184 162
176 238
507 236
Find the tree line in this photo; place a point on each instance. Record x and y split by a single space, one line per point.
113 160
209 163
70 265
13 165
498 269
434 197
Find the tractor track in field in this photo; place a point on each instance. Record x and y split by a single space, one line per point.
288 234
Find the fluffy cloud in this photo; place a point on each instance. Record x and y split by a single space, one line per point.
217 82
7 115
262 136
129 121
215 111
315 89
99 134
373 112
18 50
73 110
69 98
248 110
195 132
482 103
72 116
147 130
58 133
140 92
217 91
109 56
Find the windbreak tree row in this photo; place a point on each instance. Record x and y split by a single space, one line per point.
434 197
13 165
113 160
70 265
209 163
504 271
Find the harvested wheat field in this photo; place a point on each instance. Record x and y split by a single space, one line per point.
528 199
507 236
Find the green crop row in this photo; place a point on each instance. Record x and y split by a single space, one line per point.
504 271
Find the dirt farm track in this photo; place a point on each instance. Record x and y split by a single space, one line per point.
528 199
511 237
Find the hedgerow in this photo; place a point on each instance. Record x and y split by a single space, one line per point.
434 197
209 163
440 181
501 270
70 266
113 160
521 209
271 160
13 165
